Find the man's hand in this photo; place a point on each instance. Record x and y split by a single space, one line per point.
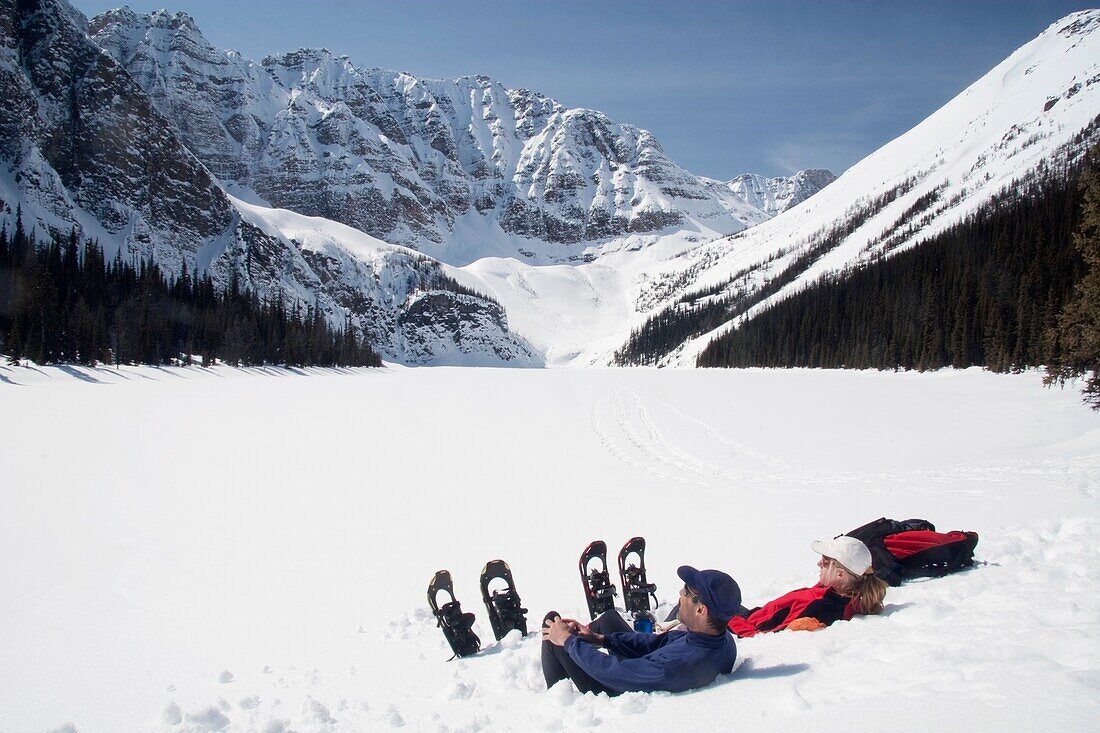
561 629
662 627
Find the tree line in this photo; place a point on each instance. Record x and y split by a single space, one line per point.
696 313
989 291
63 302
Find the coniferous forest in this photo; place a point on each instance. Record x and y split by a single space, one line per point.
987 291
61 302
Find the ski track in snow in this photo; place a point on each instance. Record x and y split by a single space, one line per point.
626 427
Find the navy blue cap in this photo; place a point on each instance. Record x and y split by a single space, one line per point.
717 591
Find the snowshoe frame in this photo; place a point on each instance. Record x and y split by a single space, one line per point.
636 588
506 611
457 626
599 592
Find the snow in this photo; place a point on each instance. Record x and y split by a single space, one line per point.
313 232
238 550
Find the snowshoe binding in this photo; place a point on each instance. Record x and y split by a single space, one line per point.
599 593
506 611
636 588
457 626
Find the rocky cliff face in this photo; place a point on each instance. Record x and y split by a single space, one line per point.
407 160
773 196
83 145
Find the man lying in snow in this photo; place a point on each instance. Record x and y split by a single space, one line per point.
846 586
690 656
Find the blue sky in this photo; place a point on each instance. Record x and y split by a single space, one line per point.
727 87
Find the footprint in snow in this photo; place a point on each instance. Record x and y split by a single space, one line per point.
393 718
314 711
795 701
460 690
210 719
225 677
171 714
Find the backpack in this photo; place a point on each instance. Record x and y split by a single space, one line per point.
914 549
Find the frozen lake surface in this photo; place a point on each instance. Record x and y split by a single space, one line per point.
248 550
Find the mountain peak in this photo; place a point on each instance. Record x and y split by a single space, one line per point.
160 19
1080 23
776 195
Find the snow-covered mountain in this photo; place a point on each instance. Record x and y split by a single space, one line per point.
576 227
776 195
1034 111
82 145
457 169
136 130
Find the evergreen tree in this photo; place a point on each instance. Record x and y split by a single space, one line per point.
64 303
1077 333
984 292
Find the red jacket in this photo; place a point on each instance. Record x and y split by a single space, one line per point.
819 602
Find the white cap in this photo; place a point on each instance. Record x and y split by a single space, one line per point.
848 551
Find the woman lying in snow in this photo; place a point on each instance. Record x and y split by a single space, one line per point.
846 586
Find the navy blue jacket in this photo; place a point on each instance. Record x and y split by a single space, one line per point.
674 662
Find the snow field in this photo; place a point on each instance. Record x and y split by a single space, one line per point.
193 550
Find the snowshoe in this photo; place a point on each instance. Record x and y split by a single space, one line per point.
599 593
504 606
636 589
457 626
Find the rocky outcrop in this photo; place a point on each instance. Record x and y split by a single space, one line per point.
85 146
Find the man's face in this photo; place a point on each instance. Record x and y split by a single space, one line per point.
689 601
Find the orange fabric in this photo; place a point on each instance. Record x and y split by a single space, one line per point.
806 623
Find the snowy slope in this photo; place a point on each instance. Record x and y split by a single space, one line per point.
248 550
1023 114
397 296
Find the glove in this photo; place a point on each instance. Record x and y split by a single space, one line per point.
806 623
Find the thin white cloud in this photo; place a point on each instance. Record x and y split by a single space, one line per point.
835 151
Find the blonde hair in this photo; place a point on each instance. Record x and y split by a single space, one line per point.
867 593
